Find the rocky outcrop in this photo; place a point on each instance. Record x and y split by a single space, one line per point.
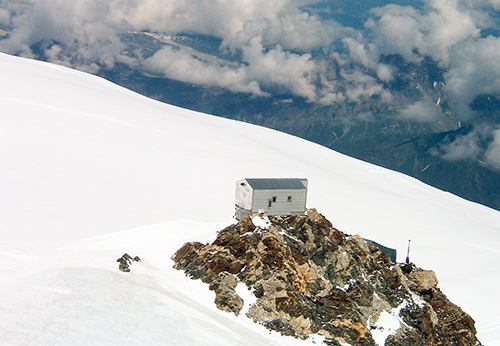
309 278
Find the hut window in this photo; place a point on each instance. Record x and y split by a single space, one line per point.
289 199
274 199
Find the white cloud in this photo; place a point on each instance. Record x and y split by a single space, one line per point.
487 4
293 30
448 31
470 146
432 32
86 35
277 68
422 111
331 98
474 70
397 31
492 156
446 27
181 65
360 86
79 26
368 57
4 17
262 70
283 47
463 148
278 21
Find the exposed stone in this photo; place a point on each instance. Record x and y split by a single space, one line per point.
310 278
226 298
422 280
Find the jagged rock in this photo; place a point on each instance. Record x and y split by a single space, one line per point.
310 278
422 280
226 298
125 261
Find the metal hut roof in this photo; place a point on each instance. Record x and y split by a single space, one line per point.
276 184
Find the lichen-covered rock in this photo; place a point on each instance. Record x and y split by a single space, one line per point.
310 278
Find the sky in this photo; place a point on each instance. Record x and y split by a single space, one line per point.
90 170
326 52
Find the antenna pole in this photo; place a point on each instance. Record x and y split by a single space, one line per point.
408 252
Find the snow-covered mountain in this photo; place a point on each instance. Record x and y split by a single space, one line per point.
89 170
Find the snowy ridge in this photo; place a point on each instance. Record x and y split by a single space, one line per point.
90 170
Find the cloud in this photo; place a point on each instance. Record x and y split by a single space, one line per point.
292 30
432 31
276 40
85 34
276 68
181 65
492 156
277 21
271 69
486 4
79 27
397 30
4 17
422 111
463 148
285 46
474 71
447 26
368 56
470 146
360 86
448 31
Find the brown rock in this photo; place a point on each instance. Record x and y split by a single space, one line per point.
309 277
226 298
422 280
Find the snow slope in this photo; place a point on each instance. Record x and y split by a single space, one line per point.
89 170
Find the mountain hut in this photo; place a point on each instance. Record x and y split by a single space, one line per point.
273 196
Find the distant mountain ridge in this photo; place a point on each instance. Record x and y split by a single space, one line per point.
369 130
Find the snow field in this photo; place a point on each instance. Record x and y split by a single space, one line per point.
89 170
